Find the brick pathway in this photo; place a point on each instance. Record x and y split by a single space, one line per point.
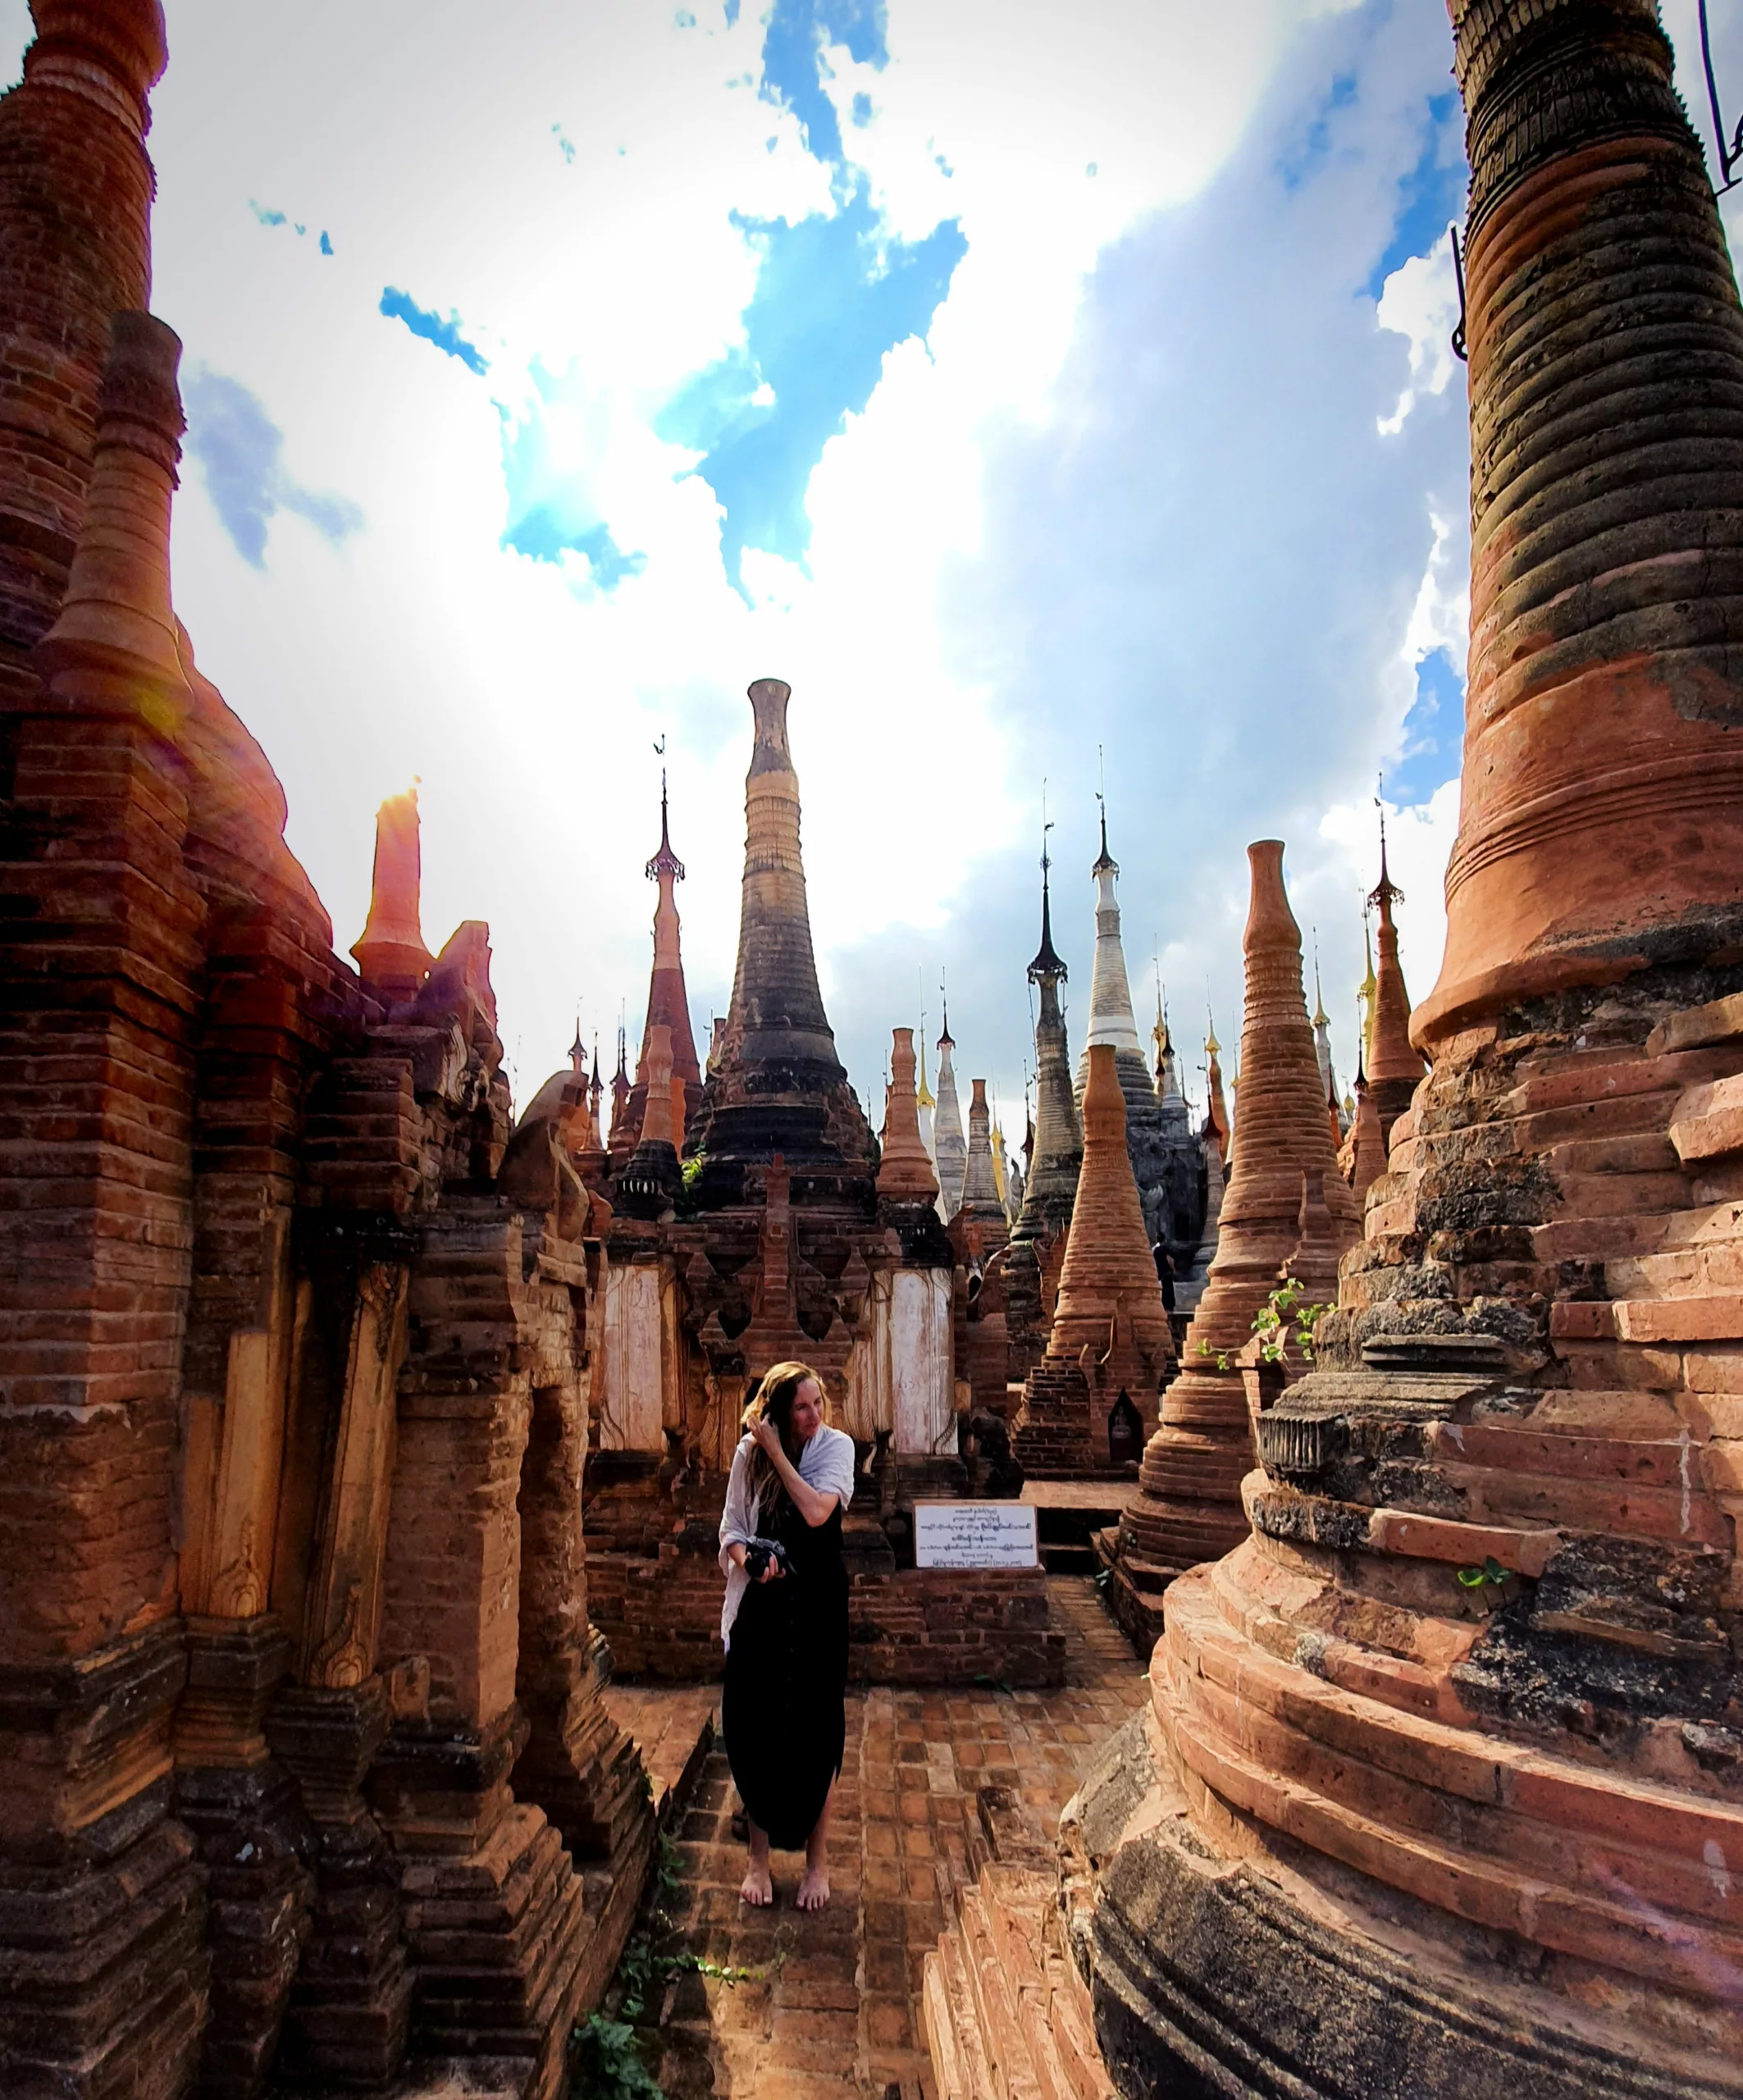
834 2010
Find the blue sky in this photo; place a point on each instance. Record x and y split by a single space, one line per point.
1037 391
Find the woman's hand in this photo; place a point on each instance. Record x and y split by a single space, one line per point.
772 1570
767 1437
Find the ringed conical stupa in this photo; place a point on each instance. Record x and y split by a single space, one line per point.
1447 1747
1086 1404
1286 1209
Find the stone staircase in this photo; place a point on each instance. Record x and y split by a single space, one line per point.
1007 2016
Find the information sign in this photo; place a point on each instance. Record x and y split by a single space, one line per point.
974 1535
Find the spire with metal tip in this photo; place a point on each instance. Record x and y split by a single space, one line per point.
665 861
1047 962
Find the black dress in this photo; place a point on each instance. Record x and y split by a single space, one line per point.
784 1706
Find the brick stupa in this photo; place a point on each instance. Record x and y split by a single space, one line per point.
667 1002
1395 1065
1286 1208
905 1173
275 1279
1448 1752
1110 1346
776 1084
981 1210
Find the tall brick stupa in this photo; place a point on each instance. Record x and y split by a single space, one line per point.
1447 1751
1286 1208
777 1086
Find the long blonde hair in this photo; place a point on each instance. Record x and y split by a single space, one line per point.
774 1401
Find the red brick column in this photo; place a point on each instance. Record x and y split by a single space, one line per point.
76 192
97 968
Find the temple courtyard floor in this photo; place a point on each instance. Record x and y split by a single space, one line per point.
784 2006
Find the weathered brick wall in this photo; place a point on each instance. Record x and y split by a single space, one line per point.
946 1625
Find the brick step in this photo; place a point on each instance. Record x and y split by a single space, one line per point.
1610 1508
1710 1264
1006 2014
1527 1820
947 2010
1566 1451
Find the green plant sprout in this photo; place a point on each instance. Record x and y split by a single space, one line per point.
1286 1315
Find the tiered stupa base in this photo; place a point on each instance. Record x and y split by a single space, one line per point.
1256 1935
1446 1794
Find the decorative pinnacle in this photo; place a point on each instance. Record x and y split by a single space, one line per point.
1385 893
1047 962
1321 1018
665 861
577 1052
1104 859
946 1040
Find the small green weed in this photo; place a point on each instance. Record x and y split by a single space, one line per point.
605 2064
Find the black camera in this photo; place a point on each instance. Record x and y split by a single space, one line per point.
760 1552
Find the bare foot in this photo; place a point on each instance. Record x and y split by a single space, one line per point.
814 1891
757 1888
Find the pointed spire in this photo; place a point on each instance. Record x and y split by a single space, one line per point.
1110 1020
1105 861
950 1147
667 1002
1216 1112
578 1052
1394 1066
1047 962
665 862
1365 990
905 1171
924 1096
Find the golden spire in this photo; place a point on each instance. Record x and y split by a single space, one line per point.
1367 988
924 1098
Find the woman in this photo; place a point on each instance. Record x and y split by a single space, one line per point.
786 1631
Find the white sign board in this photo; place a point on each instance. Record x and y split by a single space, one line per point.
974 1535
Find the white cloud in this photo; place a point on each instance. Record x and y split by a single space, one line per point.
1420 302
